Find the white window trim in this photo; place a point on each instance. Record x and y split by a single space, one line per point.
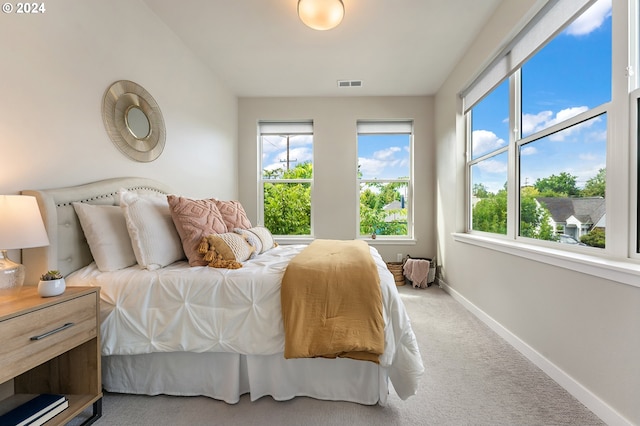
394 238
389 127
634 117
619 261
269 127
626 272
548 16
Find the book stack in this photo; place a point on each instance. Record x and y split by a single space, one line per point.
31 410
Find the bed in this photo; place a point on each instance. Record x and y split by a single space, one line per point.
179 329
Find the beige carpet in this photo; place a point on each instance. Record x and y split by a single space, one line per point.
472 377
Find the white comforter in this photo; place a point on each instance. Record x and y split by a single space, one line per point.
203 309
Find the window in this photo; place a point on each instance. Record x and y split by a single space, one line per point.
384 178
488 165
552 166
286 178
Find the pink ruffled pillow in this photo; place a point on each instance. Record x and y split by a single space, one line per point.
233 215
195 219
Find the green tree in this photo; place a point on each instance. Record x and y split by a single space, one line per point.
287 206
595 187
534 219
490 213
373 217
369 199
480 191
562 185
595 238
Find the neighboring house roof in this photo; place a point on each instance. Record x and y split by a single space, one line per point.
394 205
586 209
398 214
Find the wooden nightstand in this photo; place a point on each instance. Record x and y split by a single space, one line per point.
52 345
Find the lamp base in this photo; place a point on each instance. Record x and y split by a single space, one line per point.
11 275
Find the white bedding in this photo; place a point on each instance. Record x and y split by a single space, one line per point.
200 309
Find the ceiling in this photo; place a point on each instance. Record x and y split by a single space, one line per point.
261 48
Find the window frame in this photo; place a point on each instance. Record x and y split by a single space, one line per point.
620 260
409 181
262 181
513 147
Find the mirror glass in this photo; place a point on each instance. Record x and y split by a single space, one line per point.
138 123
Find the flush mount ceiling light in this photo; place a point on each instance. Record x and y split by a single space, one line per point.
321 14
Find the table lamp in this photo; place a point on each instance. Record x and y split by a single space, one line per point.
21 226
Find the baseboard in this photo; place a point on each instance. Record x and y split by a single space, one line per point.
585 396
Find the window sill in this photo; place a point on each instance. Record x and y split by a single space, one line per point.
625 272
390 241
293 240
371 241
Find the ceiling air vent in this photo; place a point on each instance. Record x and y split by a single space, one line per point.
349 83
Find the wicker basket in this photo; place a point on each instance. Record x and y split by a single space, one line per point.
396 270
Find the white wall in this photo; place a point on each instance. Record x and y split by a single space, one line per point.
55 68
335 160
582 329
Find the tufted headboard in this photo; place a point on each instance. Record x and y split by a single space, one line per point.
68 249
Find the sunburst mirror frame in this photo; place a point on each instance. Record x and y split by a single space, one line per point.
119 100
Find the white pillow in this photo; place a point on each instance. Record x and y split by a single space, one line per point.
106 232
154 237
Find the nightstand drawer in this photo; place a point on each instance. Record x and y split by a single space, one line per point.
39 335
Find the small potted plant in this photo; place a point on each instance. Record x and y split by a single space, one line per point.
51 284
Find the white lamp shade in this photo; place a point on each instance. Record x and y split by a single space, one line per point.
321 14
21 224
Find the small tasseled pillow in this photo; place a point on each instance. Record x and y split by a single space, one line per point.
225 250
233 215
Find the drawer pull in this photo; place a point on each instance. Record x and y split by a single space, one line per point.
54 331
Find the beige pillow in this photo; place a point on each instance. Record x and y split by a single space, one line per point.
233 215
195 219
225 250
106 232
259 237
154 237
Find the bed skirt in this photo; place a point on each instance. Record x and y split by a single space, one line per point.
227 376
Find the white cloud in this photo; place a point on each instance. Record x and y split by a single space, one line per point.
383 161
587 156
371 166
528 150
386 154
493 166
591 20
274 151
296 156
273 166
272 144
532 123
596 136
571 131
586 172
485 141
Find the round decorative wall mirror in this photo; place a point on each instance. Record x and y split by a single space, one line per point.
133 121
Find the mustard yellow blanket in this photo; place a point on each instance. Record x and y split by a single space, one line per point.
332 303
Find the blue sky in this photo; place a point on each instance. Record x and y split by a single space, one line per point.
568 76
274 151
379 156
384 156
